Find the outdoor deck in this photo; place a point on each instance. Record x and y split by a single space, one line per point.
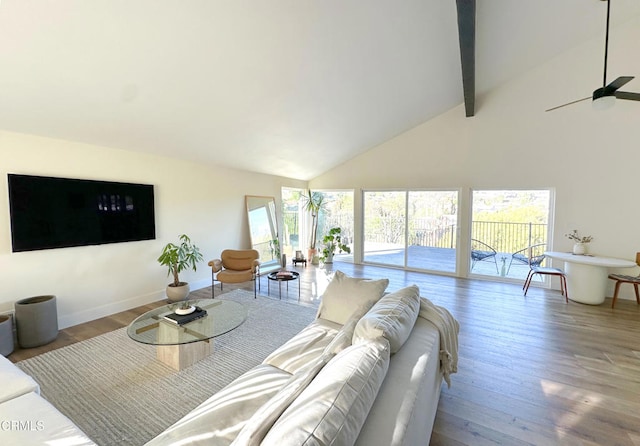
444 260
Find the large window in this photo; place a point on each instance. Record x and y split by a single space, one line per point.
384 227
292 222
337 211
413 229
508 227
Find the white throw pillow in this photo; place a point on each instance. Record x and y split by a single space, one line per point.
344 295
392 317
334 406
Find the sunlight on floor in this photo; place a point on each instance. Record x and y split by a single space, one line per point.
583 402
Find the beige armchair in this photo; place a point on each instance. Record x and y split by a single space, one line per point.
235 266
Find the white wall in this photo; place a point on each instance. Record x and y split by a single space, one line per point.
589 157
206 202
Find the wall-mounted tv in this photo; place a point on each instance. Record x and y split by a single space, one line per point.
49 212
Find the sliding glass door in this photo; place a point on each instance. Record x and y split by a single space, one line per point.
384 227
508 227
432 222
411 229
336 212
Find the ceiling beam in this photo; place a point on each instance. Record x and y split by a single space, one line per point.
467 37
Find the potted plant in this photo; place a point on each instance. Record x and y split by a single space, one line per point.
313 203
177 258
331 242
580 246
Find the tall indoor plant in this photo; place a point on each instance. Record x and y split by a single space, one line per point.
313 203
177 258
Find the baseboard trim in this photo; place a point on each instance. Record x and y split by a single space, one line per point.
92 314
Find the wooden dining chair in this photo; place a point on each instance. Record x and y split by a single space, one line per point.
621 278
549 271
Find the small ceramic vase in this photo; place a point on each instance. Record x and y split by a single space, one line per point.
580 249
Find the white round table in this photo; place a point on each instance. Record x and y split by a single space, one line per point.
587 275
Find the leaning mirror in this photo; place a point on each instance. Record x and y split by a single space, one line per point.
263 230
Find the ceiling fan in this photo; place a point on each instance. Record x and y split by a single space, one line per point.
606 95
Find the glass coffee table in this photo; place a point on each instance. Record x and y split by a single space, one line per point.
181 346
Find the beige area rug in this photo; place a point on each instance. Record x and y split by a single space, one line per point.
115 390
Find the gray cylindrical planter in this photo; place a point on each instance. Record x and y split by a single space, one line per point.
36 321
6 335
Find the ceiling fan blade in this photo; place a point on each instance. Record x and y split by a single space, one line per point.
602 97
628 95
613 86
568 103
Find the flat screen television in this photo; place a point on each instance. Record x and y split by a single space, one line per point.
48 212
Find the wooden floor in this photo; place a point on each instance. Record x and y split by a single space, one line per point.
532 371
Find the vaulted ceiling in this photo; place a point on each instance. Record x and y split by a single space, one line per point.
285 87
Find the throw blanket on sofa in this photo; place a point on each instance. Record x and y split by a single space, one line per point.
448 327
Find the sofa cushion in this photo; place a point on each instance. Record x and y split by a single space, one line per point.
31 420
232 276
333 407
410 391
259 424
344 295
14 381
304 347
392 317
219 419
344 337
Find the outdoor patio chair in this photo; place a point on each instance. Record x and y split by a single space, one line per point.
531 255
482 252
620 279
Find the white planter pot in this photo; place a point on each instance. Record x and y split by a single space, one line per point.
580 248
177 293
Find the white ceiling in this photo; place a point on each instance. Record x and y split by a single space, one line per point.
285 87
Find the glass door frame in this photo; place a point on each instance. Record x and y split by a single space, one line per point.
361 226
545 282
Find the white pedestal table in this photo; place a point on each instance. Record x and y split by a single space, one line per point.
587 275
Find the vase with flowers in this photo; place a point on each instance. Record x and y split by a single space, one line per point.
581 244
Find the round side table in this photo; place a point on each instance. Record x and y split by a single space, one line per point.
284 276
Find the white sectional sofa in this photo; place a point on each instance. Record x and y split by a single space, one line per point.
368 371
28 419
